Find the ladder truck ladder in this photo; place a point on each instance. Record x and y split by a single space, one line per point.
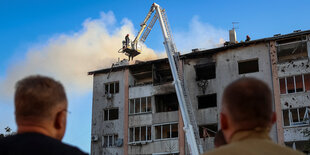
190 125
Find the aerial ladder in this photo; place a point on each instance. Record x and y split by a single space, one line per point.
131 49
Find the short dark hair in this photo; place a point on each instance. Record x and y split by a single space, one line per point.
248 102
36 96
219 139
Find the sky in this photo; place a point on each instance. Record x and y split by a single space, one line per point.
66 39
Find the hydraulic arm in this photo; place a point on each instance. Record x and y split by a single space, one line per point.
190 126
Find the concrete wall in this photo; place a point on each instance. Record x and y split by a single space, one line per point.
135 120
295 100
226 72
100 102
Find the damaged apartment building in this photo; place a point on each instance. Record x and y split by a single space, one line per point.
135 108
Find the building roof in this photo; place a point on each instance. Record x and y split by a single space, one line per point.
200 53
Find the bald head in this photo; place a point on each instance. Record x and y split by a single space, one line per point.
248 103
37 96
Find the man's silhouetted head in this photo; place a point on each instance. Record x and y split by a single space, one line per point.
246 104
41 104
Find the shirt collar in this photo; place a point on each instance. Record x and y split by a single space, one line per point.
257 133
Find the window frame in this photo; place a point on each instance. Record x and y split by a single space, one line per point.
140 105
301 121
161 131
108 114
108 85
114 138
248 60
294 83
140 136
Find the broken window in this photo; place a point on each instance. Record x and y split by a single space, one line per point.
296 116
286 118
138 134
137 105
282 86
205 71
293 84
248 66
140 105
307 82
110 114
142 74
166 103
111 88
207 101
292 49
206 131
166 131
290 85
162 73
302 146
299 83
109 140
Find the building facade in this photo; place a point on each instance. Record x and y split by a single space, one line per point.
135 108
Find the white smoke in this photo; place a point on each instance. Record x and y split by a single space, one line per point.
200 35
68 57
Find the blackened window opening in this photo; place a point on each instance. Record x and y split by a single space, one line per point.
166 103
249 66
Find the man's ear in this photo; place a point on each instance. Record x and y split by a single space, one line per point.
60 121
223 121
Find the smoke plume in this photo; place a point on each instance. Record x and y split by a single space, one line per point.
200 35
68 57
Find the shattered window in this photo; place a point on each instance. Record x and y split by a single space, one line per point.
137 133
149 133
131 106
307 81
137 105
174 130
205 71
166 131
143 104
131 133
110 114
299 83
166 103
296 116
282 86
111 88
113 114
143 133
292 49
207 101
142 74
290 84
162 73
149 104
157 132
248 66
286 118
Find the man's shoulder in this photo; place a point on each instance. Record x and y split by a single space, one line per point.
35 143
254 148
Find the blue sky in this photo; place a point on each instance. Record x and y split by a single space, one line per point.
36 28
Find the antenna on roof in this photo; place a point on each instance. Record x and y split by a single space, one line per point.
234 25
